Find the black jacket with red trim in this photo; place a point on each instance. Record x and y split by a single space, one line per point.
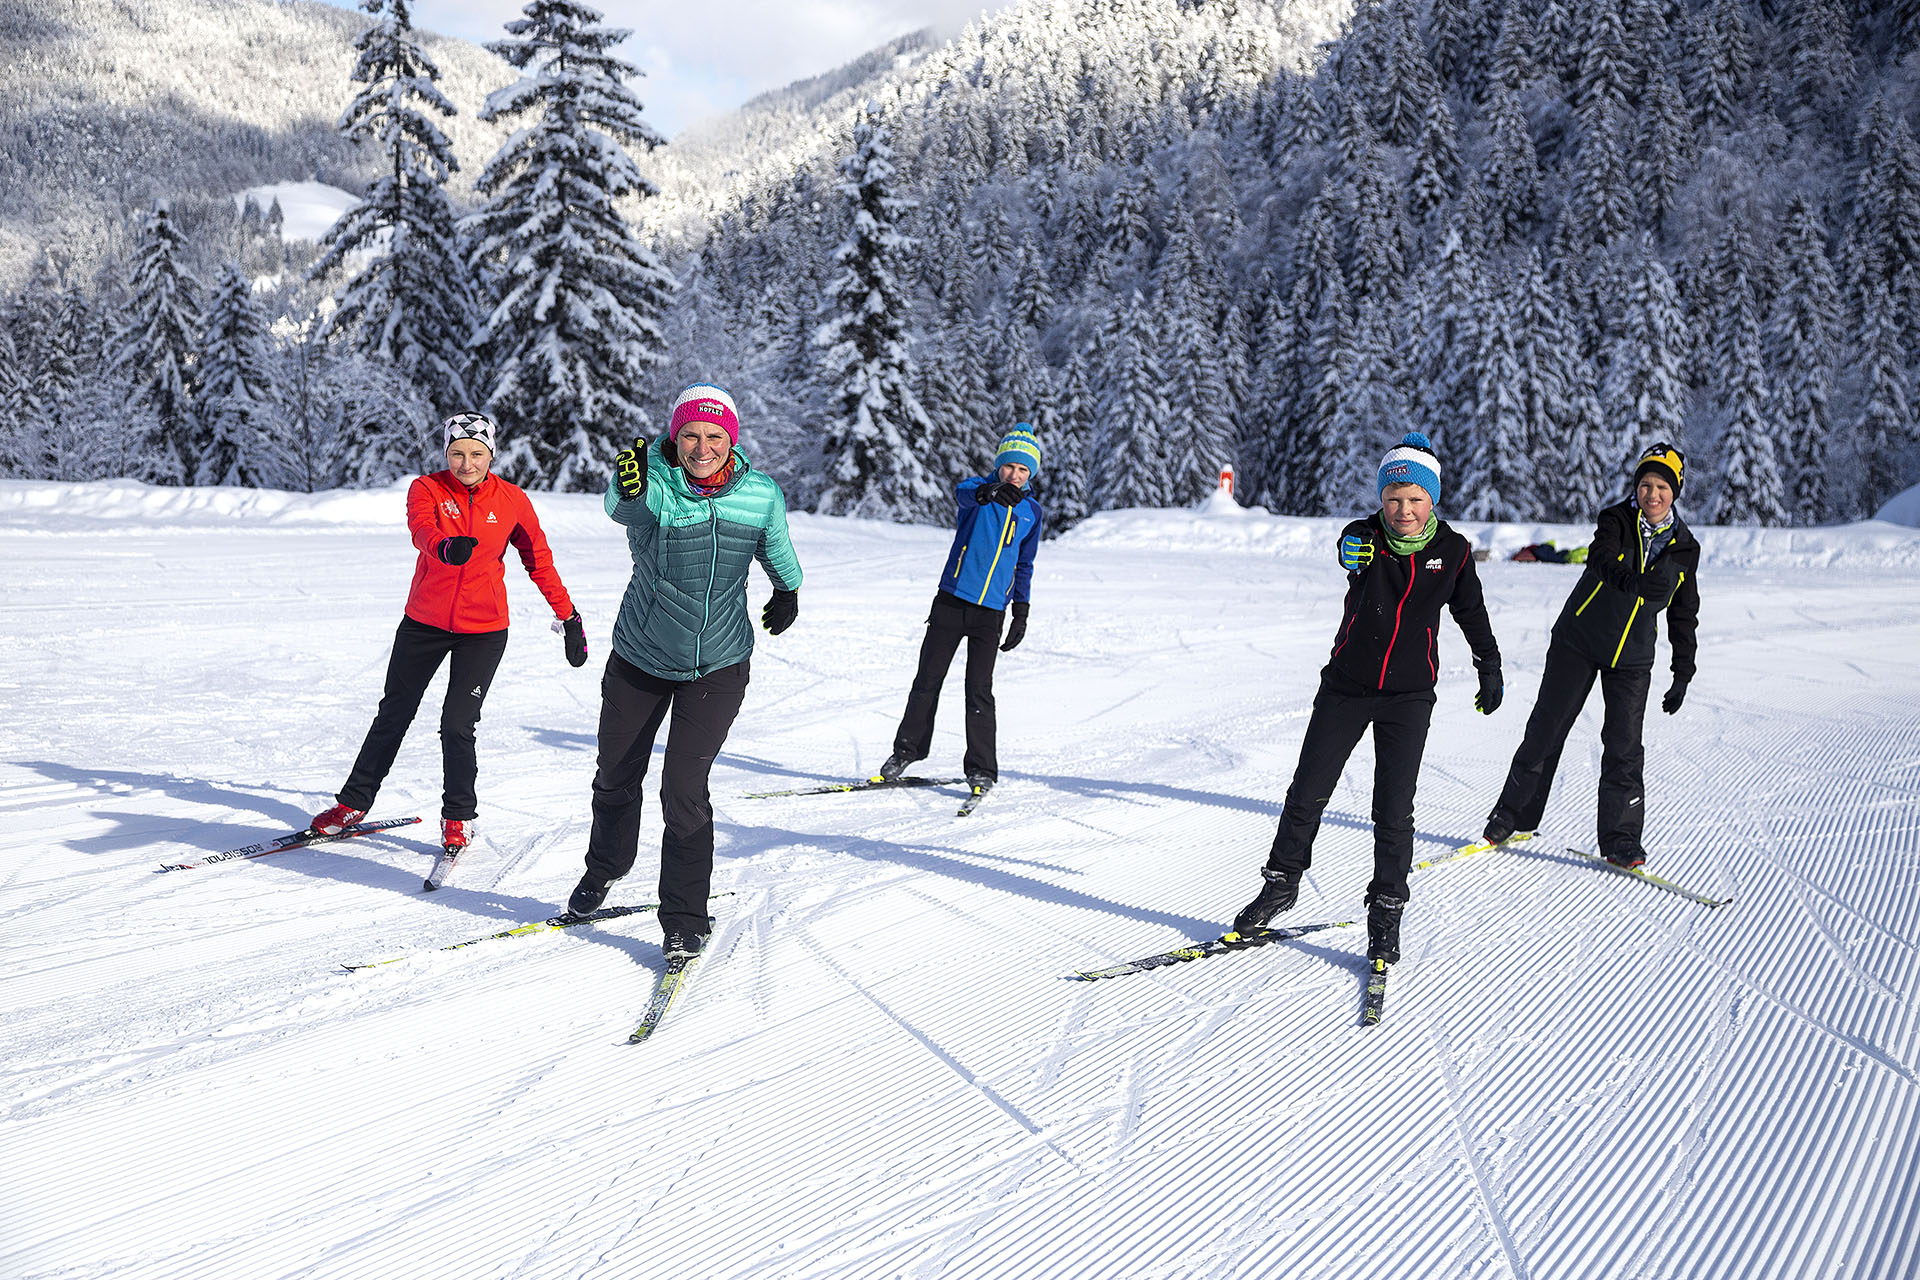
1613 616
1389 639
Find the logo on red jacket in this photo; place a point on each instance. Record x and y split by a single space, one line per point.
490 519
451 507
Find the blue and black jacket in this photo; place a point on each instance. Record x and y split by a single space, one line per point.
991 561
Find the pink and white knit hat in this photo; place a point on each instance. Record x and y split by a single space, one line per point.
704 402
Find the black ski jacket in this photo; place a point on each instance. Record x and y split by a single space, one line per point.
1613 616
1389 640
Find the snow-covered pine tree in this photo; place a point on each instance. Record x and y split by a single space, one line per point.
1128 466
1445 341
1512 177
155 349
1495 479
237 401
1602 205
1747 486
1799 343
574 334
1436 165
1067 443
1543 354
876 427
1659 147
411 300
1721 60
1884 427
1644 392
1372 413
1318 481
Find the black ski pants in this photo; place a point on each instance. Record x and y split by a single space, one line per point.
950 621
1342 711
633 705
1564 687
418 651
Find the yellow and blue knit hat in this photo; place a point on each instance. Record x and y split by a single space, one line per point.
1019 446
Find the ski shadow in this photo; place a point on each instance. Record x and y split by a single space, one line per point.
959 865
142 830
772 769
1153 792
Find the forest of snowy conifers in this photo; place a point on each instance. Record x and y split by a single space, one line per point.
1171 234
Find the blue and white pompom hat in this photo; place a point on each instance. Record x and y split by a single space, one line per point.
469 426
1412 461
1019 446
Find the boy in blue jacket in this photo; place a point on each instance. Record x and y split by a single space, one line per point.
996 533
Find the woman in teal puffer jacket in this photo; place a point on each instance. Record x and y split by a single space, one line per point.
697 515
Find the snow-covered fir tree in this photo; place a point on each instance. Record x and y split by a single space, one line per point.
875 428
1800 337
155 349
237 402
408 298
569 347
1129 468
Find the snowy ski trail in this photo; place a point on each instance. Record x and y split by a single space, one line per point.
880 1069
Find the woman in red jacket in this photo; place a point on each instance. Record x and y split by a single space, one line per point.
462 520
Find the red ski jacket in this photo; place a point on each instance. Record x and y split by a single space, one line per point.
472 597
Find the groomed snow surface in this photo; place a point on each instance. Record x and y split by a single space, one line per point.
880 1069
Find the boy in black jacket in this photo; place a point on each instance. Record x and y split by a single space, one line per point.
1403 563
1643 559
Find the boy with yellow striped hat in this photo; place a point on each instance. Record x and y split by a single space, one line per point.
989 571
1643 560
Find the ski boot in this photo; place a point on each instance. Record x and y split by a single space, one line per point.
1278 894
332 822
1383 927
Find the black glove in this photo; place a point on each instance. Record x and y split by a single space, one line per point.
782 608
1007 495
456 550
576 640
630 470
1017 629
1492 690
1675 696
1658 582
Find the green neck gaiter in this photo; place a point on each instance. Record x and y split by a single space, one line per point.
1407 546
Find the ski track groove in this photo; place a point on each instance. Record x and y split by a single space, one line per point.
1715 1063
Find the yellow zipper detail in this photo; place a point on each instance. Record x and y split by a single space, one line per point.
1589 600
1623 635
996 557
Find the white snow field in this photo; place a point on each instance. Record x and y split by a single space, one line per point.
881 1068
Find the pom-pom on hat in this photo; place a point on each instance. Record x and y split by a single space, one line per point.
704 402
1019 446
1665 461
469 426
1412 461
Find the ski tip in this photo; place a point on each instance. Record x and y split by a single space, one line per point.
428 886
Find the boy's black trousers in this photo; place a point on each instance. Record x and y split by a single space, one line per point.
950 621
1342 710
633 705
1564 686
418 651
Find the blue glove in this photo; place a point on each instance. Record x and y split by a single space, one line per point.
1356 553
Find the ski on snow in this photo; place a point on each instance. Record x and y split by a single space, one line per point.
565 920
296 840
1468 850
865 784
665 988
1376 997
972 801
1201 950
1705 900
442 868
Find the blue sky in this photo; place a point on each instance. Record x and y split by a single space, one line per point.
709 56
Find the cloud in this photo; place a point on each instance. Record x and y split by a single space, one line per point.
705 58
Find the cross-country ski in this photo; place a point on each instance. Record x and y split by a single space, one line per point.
295 840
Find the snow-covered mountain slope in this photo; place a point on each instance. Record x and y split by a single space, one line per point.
110 103
880 1069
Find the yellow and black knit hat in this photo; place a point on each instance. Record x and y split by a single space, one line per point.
1665 461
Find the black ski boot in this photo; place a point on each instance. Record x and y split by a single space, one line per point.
683 944
1628 857
1278 894
1499 830
1383 927
587 895
896 764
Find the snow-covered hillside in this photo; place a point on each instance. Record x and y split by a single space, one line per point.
880 1069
